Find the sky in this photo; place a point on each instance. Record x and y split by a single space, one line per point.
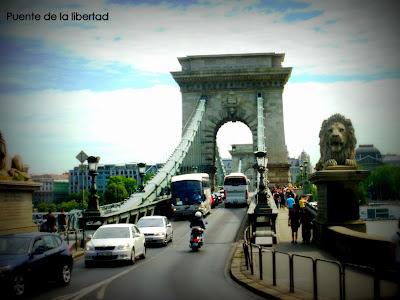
104 86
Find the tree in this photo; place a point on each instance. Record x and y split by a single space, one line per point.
382 183
78 198
69 205
130 185
148 176
115 192
44 207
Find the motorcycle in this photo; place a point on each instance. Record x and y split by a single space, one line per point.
196 238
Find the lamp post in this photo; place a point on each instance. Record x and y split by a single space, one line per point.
301 175
93 205
261 157
306 184
264 214
142 171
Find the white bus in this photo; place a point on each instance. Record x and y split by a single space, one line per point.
236 190
190 193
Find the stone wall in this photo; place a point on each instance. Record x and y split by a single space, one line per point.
16 206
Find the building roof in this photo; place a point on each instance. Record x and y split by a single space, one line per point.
368 149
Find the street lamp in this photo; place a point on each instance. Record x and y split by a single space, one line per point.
93 205
306 183
142 171
261 157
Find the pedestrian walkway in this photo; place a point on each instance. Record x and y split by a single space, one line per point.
284 244
241 274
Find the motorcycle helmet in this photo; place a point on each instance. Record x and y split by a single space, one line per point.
198 214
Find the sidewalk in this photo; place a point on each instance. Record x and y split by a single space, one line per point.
244 277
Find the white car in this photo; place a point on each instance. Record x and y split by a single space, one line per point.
115 242
156 229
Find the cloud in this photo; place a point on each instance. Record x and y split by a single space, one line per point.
372 107
120 126
211 28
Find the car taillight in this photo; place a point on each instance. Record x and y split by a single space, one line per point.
225 194
246 194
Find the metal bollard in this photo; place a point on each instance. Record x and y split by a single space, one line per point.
76 240
260 261
246 255
251 260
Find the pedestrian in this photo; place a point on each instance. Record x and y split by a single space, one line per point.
282 196
50 221
306 226
294 222
62 221
396 240
290 202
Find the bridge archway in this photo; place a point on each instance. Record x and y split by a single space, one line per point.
237 137
231 84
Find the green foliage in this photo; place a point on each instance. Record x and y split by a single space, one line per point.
383 183
69 205
78 198
44 207
313 191
130 184
148 176
116 191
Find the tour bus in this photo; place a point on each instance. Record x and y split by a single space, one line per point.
190 193
236 190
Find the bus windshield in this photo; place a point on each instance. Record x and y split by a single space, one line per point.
235 181
186 192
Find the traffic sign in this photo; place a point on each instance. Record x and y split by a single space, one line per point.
82 156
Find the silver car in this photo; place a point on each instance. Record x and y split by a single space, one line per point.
115 242
156 229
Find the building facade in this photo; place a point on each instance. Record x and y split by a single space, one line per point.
368 157
79 178
298 165
54 188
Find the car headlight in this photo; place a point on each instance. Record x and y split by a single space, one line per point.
159 233
122 247
89 247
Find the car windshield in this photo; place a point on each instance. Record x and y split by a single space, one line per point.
112 233
150 222
14 245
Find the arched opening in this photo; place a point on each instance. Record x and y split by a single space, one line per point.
236 138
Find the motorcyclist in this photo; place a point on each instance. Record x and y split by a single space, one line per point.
197 221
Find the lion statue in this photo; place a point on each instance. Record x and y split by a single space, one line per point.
337 143
11 168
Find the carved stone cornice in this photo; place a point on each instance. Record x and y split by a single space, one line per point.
229 80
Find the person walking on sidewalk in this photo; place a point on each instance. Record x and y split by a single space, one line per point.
62 222
294 221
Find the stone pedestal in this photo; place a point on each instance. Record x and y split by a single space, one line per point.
16 206
338 200
278 174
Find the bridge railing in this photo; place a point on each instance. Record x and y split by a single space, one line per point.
314 278
152 191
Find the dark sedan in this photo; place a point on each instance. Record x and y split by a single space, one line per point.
36 257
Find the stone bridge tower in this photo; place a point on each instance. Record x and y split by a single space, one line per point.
231 84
